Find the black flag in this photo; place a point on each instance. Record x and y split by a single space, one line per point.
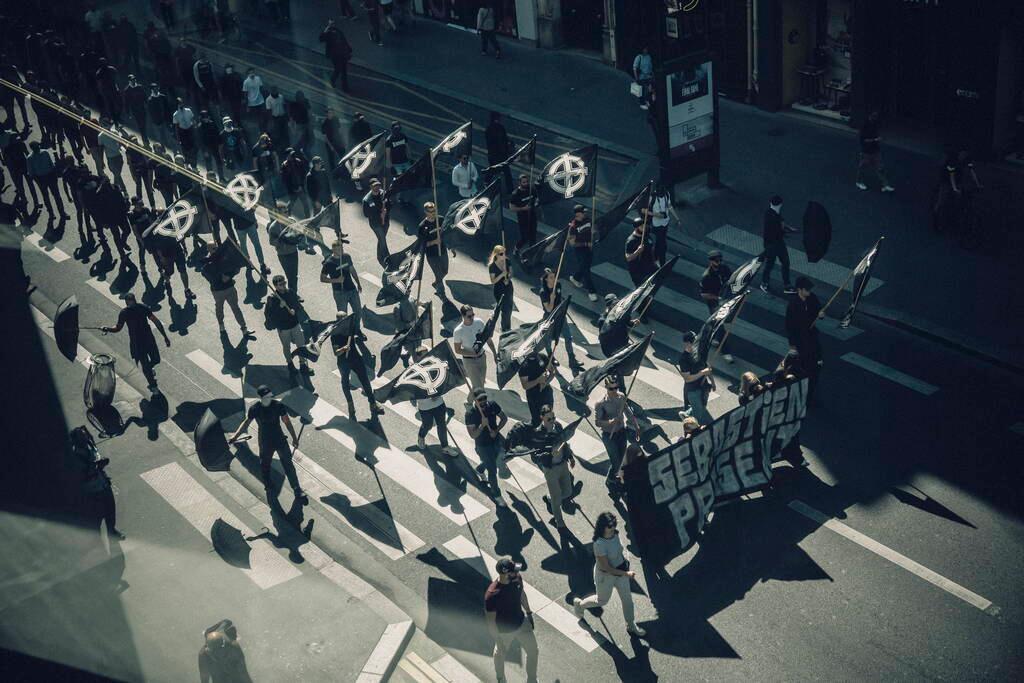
435 374
744 275
327 217
366 159
607 222
861 276
624 362
474 214
626 308
410 337
416 177
181 218
528 153
534 254
484 335
725 313
526 440
311 351
817 231
458 142
570 175
403 269
515 345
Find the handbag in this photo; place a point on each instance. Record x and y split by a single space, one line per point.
636 90
624 567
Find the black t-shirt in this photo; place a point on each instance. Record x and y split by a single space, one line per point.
350 357
335 267
214 269
867 135
582 233
713 281
136 318
613 336
645 262
396 143
500 286
532 368
231 139
688 364
373 205
268 418
331 128
427 232
523 197
506 601
493 412
545 295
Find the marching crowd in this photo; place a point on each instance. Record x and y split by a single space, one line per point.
78 78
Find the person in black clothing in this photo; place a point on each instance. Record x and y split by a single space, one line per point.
498 149
359 130
500 270
298 112
158 106
375 209
139 219
535 374
350 355
318 185
141 343
135 103
231 91
613 335
509 618
802 315
9 72
110 94
128 39
340 272
338 51
169 255
95 481
204 81
209 142
697 380
550 299
269 414
15 157
581 239
293 172
373 11
640 252
712 286
871 153
397 148
330 126
774 235
281 312
163 177
524 204
232 144
484 422
222 284
432 243
110 210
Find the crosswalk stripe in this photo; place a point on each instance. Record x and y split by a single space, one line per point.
397 465
698 311
453 670
48 248
828 326
430 674
823 270
564 621
890 374
198 506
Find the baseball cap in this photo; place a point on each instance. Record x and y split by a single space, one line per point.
505 565
714 254
262 390
610 298
579 208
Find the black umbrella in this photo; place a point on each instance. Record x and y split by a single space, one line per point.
230 544
817 231
66 327
211 444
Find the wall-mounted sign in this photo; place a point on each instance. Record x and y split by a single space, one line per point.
691 109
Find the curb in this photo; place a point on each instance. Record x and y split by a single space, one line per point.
385 657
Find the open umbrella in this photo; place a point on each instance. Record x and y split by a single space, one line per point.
230 544
66 327
817 231
211 444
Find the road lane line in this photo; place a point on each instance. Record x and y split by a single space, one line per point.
48 248
385 655
214 369
198 506
564 621
104 289
896 558
890 374
453 670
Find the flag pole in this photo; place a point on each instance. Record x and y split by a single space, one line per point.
558 272
728 331
829 302
636 373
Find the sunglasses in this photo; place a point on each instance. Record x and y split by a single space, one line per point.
482 400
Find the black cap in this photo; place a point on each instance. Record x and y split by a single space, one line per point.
505 565
610 298
776 200
579 208
714 254
262 390
638 221
804 282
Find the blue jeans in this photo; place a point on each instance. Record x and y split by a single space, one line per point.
697 401
489 459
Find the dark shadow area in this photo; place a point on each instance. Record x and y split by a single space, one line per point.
510 538
255 292
153 411
476 294
926 503
152 293
524 509
104 264
236 356
291 535
187 414
182 317
360 521
456 605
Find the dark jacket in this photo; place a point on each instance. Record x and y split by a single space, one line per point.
800 317
773 230
276 315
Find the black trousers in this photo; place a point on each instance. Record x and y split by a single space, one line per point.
439 266
506 307
775 250
340 71
380 231
267 451
434 417
527 230
536 399
345 368
488 38
290 267
107 507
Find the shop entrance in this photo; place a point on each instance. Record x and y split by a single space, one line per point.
582 24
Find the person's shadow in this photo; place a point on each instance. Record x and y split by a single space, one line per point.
153 411
510 538
291 534
182 317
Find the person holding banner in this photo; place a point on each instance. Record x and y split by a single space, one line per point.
349 355
802 314
500 271
696 385
555 460
610 417
582 241
432 412
535 374
611 572
550 299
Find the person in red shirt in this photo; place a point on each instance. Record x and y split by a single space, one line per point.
509 618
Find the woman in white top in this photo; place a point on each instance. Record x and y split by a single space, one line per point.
611 571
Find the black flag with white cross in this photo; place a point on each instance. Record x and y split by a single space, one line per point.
568 176
628 307
434 375
366 159
515 345
410 337
624 362
473 215
457 143
861 277
402 271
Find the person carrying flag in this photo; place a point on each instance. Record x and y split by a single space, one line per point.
802 314
610 415
640 252
523 203
500 271
432 244
695 377
550 299
349 354
432 412
555 460
535 374
281 311
375 210
581 239
712 284
484 422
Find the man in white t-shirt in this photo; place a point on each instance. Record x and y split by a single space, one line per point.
465 338
465 176
252 86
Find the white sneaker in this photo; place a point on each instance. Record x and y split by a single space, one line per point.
421 443
573 280
577 608
635 630
728 357
644 107
888 188
592 296
861 186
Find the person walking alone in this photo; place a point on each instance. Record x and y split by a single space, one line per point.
611 572
486 22
510 619
141 343
871 154
269 414
774 236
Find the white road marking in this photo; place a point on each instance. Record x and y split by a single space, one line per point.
430 674
453 670
398 466
896 558
382 660
564 621
823 271
198 506
104 289
55 253
890 374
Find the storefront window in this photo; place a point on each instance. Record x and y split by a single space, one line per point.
825 77
463 13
